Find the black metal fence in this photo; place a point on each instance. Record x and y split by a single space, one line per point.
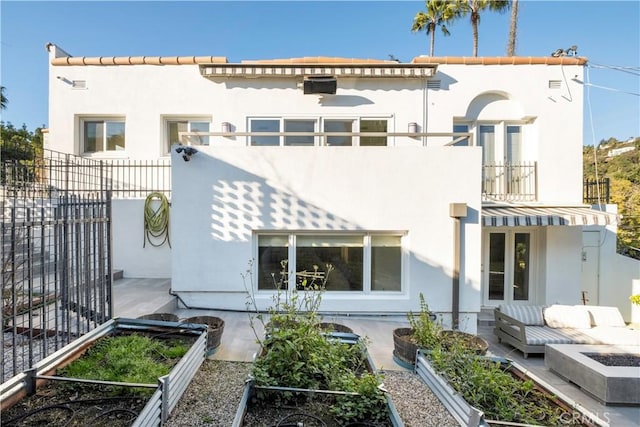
56 254
595 192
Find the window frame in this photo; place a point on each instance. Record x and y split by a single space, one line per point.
366 237
104 119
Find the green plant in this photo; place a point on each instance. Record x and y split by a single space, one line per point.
487 385
296 352
127 358
425 329
635 299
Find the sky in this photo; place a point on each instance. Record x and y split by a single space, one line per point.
606 32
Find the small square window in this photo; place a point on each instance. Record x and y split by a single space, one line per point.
103 135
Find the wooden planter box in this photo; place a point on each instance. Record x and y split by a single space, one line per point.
350 338
169 388
468 415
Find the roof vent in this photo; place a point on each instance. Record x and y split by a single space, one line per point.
320 84
433 84
554 84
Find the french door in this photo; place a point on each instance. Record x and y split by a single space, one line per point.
508 267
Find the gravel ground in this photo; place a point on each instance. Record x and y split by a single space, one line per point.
213 396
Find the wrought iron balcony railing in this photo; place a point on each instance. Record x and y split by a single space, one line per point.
510 182
595 192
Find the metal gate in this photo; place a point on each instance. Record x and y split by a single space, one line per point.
56 254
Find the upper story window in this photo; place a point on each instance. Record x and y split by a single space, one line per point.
304 125
461 127
368 125
501 142
339 125
103 135
174 126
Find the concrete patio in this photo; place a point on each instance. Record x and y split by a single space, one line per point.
136 297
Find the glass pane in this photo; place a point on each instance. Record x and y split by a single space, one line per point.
115 136
344 253
299 126
461 128
373 126
496 266
271 125
200 127
272 252
487 140
386 263
521 267
514 145
93 136
339 126
174 128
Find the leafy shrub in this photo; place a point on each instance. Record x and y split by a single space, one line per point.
296 352
425 329
485 384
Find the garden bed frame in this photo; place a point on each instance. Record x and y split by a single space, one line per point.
169 388
345 337
467 415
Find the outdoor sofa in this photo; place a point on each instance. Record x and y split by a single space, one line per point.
530 327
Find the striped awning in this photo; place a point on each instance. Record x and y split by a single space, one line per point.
521 216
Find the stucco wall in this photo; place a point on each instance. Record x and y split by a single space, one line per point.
563 264
144 94
223 195
129 255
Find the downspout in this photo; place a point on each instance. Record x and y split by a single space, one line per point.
425 103
456 211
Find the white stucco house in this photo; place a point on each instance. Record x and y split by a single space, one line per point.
458 178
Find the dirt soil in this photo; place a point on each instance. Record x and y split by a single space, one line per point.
57 404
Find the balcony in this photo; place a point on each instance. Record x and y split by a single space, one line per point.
596 192
510 182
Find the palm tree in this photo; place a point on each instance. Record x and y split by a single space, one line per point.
439 13
513 24
3 99
474 7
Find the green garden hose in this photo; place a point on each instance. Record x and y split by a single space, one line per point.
156 220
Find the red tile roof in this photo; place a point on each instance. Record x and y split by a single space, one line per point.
333 61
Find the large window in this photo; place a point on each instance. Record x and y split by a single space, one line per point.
310 125
361 262
175 126
103 135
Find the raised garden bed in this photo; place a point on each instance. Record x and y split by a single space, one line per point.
281 405
56 392
564 410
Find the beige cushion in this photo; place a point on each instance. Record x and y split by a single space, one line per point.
530 315
605 316
567 316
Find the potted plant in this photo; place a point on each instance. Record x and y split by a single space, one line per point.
426 333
